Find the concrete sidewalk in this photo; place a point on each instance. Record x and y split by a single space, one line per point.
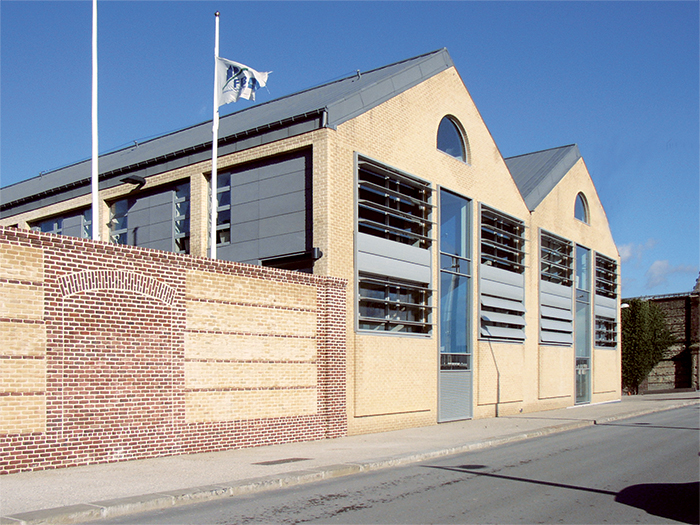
92 492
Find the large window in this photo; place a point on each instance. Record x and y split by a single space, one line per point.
450 139
502 241
393 206
556 260
501 276
556 280
53 225
72 224
158 220
605 301
393 305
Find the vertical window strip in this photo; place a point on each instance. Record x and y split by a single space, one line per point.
223 211
181 219
118 222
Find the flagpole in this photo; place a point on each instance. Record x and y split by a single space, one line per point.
215 146
95 223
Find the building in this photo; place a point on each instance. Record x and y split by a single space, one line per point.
679 368
478 286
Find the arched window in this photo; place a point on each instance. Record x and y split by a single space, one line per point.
451 140
581 208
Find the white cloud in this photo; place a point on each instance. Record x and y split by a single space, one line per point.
634 251
659 271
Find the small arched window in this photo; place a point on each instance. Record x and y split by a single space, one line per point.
451 140
581 208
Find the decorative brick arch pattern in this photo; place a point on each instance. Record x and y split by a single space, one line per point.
116 280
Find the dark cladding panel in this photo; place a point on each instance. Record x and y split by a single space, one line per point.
73 225
270 208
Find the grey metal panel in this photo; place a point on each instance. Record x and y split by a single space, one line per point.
555 289
288 223
281 244
557 326
392 249
563 338
394 259
455 398
245 231
282 204
605 306
557 301
239 252
504 291
503 304
372 263
501 276
502 333
497 317
556 313
73 225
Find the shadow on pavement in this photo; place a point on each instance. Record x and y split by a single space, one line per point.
675 501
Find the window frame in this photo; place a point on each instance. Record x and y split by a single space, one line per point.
461 136
390 323
407 201
499 229
581 198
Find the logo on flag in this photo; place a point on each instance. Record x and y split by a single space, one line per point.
237 81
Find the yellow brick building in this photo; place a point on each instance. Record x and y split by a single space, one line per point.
478 286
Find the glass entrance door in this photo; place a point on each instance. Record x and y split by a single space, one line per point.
582 326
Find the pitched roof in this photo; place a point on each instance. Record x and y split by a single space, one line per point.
536 174
327 105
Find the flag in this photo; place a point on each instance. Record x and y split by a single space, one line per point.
237 81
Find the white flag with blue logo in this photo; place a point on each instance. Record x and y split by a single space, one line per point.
237 81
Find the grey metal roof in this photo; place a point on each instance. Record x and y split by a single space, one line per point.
329 105
536 174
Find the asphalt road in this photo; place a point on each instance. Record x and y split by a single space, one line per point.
642 470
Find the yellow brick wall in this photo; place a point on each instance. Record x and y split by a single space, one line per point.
23 336
250 348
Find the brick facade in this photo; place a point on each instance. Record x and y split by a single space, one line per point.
113 353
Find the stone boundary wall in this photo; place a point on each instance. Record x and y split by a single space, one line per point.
111 353
680 366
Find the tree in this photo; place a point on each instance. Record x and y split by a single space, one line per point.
645 338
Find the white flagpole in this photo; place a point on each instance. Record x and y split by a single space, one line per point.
215 146
95 224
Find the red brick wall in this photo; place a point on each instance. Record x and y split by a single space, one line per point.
111 377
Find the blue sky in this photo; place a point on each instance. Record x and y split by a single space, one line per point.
620 79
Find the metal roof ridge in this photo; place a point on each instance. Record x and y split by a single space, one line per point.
541 151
